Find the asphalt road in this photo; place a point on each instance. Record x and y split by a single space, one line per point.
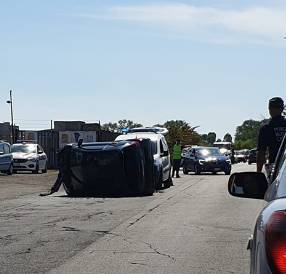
193 227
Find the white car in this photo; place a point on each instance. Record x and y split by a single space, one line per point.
268 244
29 157
160 151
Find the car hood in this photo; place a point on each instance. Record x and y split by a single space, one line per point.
21 155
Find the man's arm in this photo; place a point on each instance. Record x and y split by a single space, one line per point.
261 160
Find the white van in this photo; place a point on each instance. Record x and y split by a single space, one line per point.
160 151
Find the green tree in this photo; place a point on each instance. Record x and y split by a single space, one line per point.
127 124
227 138
179 129
110 127
116 127
247 134
211 138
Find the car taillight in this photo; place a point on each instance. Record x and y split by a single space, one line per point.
276 242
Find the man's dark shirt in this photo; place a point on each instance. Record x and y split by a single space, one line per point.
271 135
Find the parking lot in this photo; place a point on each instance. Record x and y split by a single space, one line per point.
193 227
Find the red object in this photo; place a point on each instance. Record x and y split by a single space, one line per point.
276 242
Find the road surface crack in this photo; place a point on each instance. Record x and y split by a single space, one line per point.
137 220
156 251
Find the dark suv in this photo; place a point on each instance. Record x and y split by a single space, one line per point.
206 159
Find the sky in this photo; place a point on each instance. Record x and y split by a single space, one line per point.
212 63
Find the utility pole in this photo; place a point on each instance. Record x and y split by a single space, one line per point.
12 118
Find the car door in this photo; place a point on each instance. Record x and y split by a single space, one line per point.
5 157
2 158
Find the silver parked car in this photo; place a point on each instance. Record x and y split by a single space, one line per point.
6 158
268 244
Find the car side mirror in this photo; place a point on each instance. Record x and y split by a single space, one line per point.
248 185
1 152
40 152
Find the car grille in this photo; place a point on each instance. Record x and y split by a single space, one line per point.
20 160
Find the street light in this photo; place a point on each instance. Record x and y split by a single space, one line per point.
12 119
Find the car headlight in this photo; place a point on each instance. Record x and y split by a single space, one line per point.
32 159
228 161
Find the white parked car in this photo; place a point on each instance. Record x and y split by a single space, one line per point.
29 157
268 244
162 159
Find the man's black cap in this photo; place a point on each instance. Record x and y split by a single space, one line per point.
276 102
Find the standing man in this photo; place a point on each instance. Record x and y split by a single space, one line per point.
271 134
177 157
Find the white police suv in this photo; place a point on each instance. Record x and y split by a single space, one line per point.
162 159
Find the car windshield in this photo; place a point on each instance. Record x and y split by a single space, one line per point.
204 152
23 148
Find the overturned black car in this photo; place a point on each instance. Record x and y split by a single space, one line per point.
113 168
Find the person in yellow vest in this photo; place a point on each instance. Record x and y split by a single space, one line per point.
177 157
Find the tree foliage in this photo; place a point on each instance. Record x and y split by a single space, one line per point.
181 130
211 138
121 124
227 138
247 134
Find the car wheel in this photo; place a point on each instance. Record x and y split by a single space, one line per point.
46 169
36 171
185 171
10 170
159 181
169 182
197 170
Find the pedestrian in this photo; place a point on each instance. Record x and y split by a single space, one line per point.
177 157
271 134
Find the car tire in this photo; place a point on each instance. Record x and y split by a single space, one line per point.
185 171
10 170
36 171
197 170
169 182
159 181
45 170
